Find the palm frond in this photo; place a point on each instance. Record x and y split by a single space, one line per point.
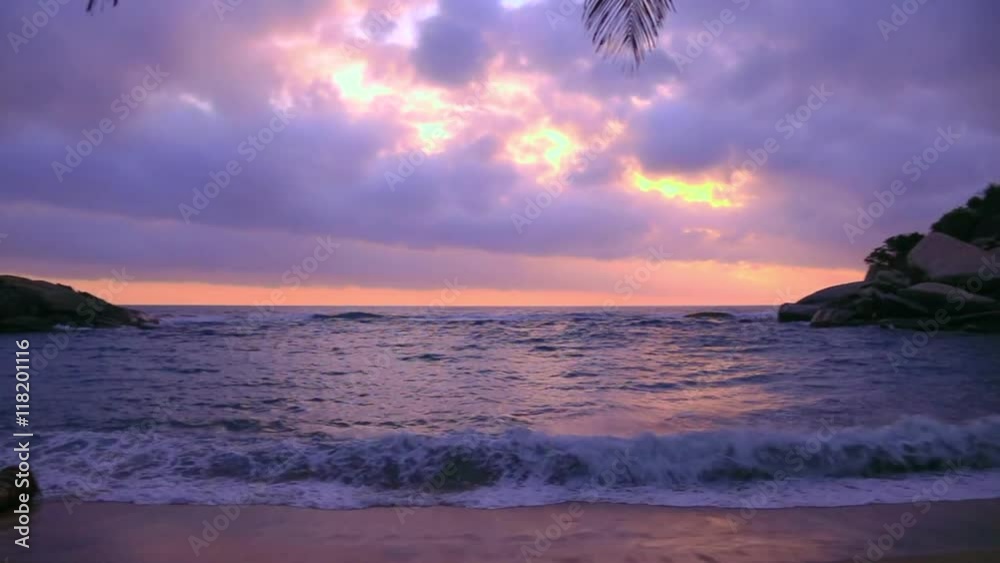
92 3
627 28
617 27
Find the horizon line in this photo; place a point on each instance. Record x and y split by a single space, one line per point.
443 306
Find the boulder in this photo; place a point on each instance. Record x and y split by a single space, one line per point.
9 492
717 315
829 317
795 312
890 305
34 306
942 258
886 279
977 322
833 293
942 296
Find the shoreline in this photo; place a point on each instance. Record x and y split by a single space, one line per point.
947 531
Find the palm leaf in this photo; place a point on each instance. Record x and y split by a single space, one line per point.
617 27
625 28
91 3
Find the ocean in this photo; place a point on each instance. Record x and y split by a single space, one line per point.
342 408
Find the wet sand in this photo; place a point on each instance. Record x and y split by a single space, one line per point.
948 532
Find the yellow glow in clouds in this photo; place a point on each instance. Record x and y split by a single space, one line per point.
353 86
706 192
547 147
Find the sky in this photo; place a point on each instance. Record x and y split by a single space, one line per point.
478 152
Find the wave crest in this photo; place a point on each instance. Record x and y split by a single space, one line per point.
470 460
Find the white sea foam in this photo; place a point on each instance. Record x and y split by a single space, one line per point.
735 468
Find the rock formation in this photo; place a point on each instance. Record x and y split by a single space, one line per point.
712 315
32 306
944 259
915 279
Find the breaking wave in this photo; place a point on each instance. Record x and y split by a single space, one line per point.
479 469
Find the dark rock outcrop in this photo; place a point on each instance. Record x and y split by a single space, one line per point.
943 296
717 315
836 316
35 306
817 308
978 322
797 312
964 291
948 279
833 293
887 279
840 305
890 305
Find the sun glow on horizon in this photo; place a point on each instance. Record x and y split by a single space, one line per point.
680 283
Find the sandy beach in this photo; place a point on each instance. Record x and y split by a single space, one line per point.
123 533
